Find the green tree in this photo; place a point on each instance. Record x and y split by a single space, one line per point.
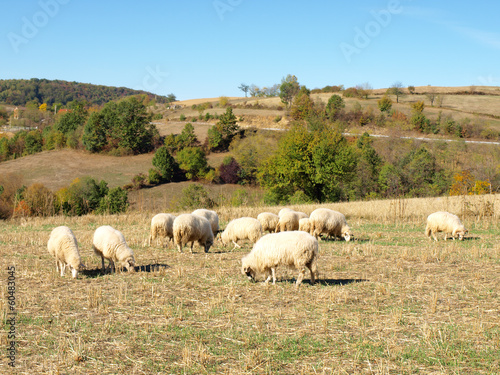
384 104
193 161
288 89
95 132
396 89
114 202
222 133
187 137
195 196
302 106
321 164
70 121
367 169
165 163
334 107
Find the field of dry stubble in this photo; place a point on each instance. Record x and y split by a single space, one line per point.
389 302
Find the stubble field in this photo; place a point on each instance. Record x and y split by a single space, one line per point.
389 302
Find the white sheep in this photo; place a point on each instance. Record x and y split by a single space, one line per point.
305 225
284 210
293 249
110 244
446 222
191 228
63 246
243 228
162 227
329 222
268 221
288 221
211 216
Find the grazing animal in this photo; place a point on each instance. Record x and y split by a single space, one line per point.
63 246
446 222
212 218
329 222
110 244
191 228
162 227
243 228
294 249
268 221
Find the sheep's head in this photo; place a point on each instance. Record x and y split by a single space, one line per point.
128 264
208 244
75 270
346 233
224 238
460 233
247 270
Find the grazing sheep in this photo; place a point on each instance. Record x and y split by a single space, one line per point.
329 222
243 228
293 249
446 222
284 210
162 227
268 221
288 221
109 243
63 246
305 225
212 218
191 228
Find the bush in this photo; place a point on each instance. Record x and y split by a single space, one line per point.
40 200
193 161
115 202
154 176
239 198
182 117
195 196
165 164
229 171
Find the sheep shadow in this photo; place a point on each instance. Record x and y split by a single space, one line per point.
97 272
353 239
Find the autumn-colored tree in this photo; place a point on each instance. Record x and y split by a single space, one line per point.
302 106
464 183
288 89
43 107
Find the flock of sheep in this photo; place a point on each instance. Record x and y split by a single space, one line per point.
292 240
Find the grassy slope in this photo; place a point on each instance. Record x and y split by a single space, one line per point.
389 302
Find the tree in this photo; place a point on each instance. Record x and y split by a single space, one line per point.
165 163
384 104
187 137
244 88
321 164
411 89
431 95
193 161
288 89
334 107
222 133
396 89
171 98
302 106
364 89
69 121
229 171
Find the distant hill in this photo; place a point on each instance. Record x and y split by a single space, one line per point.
21 91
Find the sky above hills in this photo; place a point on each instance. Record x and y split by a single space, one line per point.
207 48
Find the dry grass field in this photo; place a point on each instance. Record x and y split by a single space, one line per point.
389 302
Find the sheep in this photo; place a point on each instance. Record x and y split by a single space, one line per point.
162 227
446 222
63 246
294 249
268 221
212 218
241 229
284 210
305 225
289 220
110 244
190 228
329 222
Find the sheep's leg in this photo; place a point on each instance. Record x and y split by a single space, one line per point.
236 245
112 266
301 277
313 270
269 275
63 268
57 266
102 265
192 244
273 271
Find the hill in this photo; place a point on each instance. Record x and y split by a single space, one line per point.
21 91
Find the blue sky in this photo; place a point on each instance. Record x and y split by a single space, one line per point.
207 48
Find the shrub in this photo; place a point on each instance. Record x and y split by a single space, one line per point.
115 202
165 164
239 198
154 176
182 117
40 200
384 104
223 101
193 161
195 196
229 171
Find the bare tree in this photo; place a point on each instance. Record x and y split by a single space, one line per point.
396 89
431 95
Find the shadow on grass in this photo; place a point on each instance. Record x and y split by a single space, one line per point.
333 239
97 272
328 282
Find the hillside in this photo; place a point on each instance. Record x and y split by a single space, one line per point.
21 91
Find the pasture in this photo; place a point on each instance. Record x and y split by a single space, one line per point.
389 302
